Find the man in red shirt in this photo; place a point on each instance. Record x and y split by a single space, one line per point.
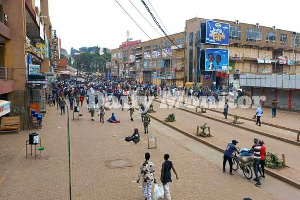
262 163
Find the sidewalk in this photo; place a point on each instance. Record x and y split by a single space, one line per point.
225 133
93 145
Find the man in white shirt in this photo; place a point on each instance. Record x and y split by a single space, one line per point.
258 115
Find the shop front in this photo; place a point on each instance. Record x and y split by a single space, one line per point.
36 84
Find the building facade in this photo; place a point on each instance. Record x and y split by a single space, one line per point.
265 60
156 61
25 55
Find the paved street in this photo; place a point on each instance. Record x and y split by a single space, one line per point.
224 133
93 145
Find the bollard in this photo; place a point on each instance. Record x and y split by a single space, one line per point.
298 137
198 130
283 159
197 109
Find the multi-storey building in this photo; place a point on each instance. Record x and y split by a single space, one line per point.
151 61
266 60
25 39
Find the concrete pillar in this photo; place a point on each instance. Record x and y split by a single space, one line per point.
15 48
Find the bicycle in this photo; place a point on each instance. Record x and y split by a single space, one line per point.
245 167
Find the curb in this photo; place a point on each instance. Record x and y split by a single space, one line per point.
241 127
265 123
271 173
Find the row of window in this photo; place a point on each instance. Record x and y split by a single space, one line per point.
255 35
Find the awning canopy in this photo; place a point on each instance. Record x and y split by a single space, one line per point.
4 107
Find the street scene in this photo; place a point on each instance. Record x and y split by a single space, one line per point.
139 106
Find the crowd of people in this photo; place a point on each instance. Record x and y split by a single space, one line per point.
123 92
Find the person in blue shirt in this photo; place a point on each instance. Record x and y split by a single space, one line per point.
258 115
228 155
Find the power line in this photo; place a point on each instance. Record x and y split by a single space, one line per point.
133 20
157 23
145 18
158 17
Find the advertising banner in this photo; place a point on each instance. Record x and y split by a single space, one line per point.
217 33
166 52
34 69
156 54
216 59
147 55
131 58
4 107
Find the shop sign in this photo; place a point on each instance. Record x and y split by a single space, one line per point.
217 33
216 59
235 58
260 60
129 43
34 69
268 61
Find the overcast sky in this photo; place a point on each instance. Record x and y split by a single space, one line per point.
103 23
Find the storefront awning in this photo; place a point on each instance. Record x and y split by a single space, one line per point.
4 107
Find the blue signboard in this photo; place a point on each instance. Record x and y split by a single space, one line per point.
162 63
217 33
216 59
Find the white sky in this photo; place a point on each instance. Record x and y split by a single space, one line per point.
103 23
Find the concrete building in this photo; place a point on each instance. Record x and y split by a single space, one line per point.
25 39
156 61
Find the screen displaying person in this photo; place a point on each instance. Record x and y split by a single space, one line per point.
211 59
218 61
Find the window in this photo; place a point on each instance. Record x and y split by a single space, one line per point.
147 47
156 46
167 44
191 38
180 41
271 37
254 35
283 39
235 33
295 41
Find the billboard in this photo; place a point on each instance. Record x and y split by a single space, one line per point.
216 59
217 33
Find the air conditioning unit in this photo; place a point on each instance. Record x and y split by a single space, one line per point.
257 25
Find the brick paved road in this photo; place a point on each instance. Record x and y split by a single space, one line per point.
92 145
224 133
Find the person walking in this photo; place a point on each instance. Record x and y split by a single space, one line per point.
146 123
81 100
258 115
226 107
77 98
147 173
231 147
131 111
58 98
62 105
262 163
53 99
166 175
102 113
274 108
71 100
256 150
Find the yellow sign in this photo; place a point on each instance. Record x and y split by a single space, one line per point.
40 46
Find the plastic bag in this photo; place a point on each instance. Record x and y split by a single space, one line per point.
158 191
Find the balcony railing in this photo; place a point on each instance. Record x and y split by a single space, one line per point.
6 74
4 18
